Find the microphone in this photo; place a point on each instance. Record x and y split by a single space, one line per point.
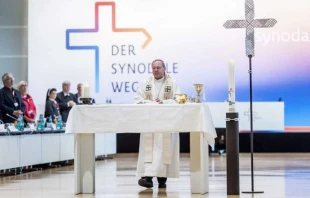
16 119
11 116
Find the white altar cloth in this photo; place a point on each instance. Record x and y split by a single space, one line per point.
141 118
85 120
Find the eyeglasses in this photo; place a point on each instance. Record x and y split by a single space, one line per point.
9 78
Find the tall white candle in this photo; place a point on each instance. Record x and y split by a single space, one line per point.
85 91
231 85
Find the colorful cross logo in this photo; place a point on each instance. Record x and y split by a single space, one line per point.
95 48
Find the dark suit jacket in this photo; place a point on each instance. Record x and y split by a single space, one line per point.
7 106
77 96
63 104
50 109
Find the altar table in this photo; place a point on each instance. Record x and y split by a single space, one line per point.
86 120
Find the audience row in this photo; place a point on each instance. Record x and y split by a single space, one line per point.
17 102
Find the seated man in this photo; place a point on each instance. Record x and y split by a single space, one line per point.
66 100
158 153
11 102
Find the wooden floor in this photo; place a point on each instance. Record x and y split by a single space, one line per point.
278 175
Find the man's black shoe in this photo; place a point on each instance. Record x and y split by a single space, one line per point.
145 183
162 185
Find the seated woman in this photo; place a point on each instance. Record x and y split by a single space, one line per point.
51 105
30 110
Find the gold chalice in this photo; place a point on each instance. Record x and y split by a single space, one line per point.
181 98
198 88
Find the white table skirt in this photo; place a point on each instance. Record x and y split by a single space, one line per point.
85 120
137 118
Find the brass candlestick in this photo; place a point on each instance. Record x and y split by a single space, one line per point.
198 88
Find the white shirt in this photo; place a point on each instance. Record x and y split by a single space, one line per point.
66 94
78 99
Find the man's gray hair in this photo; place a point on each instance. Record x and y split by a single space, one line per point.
159 60
66 83
5 76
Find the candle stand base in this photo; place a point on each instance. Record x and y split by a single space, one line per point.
87 101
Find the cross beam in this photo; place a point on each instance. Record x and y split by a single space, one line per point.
250 24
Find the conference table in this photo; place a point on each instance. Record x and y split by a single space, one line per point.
27 148
85 121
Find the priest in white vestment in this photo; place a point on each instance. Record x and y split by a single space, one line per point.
158 152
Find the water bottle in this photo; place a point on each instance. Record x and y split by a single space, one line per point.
49 123
41 123
107 100
110 101
59 124
20 123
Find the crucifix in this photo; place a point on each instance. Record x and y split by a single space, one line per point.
167 89
250 23
96 29
148 87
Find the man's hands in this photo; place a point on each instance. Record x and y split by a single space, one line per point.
71 103
159 101
17 113
29 120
